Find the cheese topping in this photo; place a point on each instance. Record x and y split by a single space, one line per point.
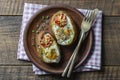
49 49
64 35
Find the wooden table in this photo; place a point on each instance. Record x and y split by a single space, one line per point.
10 22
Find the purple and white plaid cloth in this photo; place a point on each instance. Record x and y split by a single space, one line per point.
94 62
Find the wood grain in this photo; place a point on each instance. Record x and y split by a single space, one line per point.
9 35
107 73
111 40
10 30
13 69
26 73
15 7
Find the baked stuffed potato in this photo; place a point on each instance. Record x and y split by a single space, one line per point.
48 49
63 28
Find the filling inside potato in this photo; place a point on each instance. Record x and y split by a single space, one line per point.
60 19
63 28
49 49
46 41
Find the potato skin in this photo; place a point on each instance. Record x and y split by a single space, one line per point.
39 50
52 23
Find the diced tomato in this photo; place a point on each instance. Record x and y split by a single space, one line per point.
60 20
43 45
57 22
46 41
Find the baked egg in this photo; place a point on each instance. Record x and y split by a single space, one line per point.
48 49
63 28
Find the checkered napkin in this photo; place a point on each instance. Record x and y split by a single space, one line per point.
93 62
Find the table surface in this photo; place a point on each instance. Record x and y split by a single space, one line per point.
10 22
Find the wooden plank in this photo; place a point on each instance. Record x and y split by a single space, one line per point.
111 40
9 35
26 73
115 10
16 72
15 7
107 73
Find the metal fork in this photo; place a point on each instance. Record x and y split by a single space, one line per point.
85 27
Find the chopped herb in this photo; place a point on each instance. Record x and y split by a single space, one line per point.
42 52
43 27
32 38
47 17
42 19
37 32
33 30
33 44
62 31
69 41
37 26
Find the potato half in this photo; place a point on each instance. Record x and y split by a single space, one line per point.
48 49
63 28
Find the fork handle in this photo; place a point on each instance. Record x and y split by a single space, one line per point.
75 54
67 67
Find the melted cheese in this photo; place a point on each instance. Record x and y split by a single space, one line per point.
71 36
51 57
46 52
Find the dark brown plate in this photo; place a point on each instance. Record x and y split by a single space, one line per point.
66 51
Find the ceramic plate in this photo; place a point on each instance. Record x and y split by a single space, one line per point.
66 51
